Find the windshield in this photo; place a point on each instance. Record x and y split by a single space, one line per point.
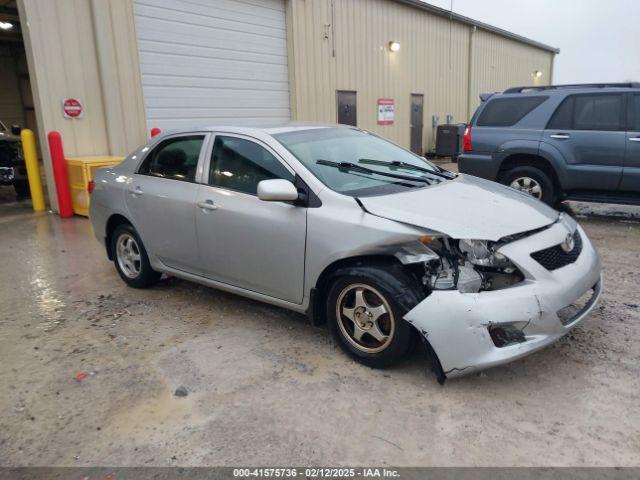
318 148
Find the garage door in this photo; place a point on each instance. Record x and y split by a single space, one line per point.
208 62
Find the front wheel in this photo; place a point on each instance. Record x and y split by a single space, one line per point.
130 258
367 322
532 181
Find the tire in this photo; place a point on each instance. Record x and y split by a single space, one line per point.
22 188
531 178
131 259
371 349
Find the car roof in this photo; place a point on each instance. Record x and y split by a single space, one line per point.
253 129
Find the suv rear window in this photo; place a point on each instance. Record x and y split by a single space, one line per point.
505 112
589 112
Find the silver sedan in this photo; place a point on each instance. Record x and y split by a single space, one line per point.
378 243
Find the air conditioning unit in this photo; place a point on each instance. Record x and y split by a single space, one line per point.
449 139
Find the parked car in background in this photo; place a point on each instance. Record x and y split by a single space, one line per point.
355 231
13 170
574 142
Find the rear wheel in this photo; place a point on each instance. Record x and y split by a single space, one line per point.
532 181
130 258
367 322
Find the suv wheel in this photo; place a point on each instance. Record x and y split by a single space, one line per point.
532 181
130 258
367 323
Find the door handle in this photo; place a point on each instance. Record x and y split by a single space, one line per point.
136 192
560 136
634 139
207 205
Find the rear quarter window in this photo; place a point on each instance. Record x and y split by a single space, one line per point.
506 112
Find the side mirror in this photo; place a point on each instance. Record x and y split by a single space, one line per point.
16 129
277 190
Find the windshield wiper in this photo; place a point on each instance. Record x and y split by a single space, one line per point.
396 163
359 168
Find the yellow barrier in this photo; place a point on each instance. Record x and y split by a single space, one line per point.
33 169
80 173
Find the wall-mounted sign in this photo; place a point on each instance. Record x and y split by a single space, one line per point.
71 108
386 111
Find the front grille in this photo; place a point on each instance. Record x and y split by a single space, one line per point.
555 257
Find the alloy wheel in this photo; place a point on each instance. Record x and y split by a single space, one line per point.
365 318
128 253
527 185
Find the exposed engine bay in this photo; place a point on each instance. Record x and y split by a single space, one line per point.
469 266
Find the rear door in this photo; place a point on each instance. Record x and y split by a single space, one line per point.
631 171
589 131
161 197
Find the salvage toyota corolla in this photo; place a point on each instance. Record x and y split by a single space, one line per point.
359 233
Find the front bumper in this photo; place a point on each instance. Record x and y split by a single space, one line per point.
457 324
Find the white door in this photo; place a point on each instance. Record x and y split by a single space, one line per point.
212 61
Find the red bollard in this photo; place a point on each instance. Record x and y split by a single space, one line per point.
65 209
155 131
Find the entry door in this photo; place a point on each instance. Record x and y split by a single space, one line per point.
631 171
417 103
161 198
589 131
347 109
244 241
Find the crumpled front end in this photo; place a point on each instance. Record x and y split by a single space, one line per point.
473 331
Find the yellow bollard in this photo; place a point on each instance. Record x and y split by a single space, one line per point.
33 169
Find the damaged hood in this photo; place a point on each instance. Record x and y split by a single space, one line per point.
467 207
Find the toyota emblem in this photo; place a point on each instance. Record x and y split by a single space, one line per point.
568 243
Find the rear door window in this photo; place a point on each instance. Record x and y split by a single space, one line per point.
589 112
506 112
175 158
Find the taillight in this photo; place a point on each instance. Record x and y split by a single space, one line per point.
467 139
90 186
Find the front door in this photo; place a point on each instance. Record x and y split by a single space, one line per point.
161 198
347 108
417 102
631 171
589 131
244 241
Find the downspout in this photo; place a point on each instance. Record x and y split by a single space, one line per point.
472 30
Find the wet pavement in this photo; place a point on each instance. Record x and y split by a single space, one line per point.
89 367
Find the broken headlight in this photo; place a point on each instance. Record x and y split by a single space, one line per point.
481 253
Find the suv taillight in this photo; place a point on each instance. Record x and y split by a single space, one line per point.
90 186
467 139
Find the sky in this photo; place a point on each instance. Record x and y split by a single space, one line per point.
599 40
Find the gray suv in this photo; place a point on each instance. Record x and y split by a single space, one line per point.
562 142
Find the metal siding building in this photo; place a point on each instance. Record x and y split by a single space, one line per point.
343 45
139 64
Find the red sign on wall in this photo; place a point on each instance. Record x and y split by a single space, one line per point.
386 111
71 108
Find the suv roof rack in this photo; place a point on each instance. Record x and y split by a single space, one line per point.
540 88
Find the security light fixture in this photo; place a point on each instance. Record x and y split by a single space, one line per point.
394 46
6 25
537 74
